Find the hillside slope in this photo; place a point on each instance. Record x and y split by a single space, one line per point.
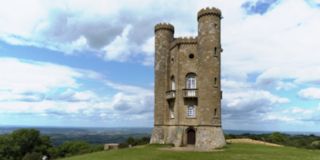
230 152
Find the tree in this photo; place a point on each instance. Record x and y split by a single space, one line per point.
21 142
8 150
277 137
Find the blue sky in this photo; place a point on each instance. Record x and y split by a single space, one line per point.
90 63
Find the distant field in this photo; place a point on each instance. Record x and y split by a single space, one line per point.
230 152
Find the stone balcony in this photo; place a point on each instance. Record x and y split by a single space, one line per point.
171 94
190 93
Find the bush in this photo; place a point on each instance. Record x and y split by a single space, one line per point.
123 145
71 148
135 141
315 145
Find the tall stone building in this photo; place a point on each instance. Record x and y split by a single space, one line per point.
187 85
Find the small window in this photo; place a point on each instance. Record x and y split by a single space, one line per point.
191 56
191 111
215 80
172 60
171 111
215 51
173 83
215 112
216 25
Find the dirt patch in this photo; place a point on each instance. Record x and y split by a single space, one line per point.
251 141
190 148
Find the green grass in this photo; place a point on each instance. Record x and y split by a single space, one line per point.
230 152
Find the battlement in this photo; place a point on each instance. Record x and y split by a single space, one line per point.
209 12
164 26
184 40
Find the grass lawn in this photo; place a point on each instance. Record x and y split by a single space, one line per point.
230 152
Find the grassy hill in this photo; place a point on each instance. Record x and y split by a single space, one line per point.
230 152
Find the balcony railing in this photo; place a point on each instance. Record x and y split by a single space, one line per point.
171 94
190 93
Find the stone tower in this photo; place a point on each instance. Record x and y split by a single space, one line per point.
187 85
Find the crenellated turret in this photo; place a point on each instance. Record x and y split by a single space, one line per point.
163 38
209 64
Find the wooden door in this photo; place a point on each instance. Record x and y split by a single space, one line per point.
191 137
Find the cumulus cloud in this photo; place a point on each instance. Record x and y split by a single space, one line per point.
22 76
46 89
310 93
121 31
245 102
298 115
105 27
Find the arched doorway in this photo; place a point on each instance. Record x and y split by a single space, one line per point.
191 136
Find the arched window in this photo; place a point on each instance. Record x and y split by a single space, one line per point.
191 111
173 83
191 82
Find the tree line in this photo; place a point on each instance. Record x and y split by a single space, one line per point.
300 141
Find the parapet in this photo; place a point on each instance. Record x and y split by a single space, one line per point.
184 40
209 11
164 26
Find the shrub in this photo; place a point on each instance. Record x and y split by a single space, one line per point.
315 145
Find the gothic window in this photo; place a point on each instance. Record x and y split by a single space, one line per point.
191 111
191 82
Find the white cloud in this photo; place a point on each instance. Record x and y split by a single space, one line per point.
102 26
46 89
29 76
119 49
310 93
251 100
148 49
295 115
281 44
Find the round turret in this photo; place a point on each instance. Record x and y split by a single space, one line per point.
164 26
209 12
